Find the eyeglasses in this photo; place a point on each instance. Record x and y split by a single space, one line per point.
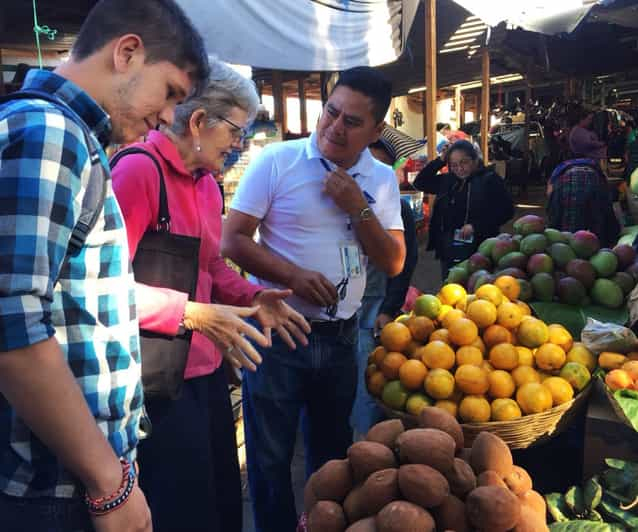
462 162
342 290
238 132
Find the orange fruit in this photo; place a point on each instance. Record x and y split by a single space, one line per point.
412 374
471 379
532 332
524 374
631 367
490 292
610 360
420 328
534 398
618 379
395 336
504 356
403 318
439 383
449 406
525 309
376 382
391 364
525 356
441 335
412 349
438 354
475 409
560 389
501 384
482 312
560 336
550 357
395 395
378 355
370 370
452 293
505 410
427 305
463 331
576 374
496 334
468 354
509 286
443 312
479 344
487 367
579 353
416 403
452 315
509 315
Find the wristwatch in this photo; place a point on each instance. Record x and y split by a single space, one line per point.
364 214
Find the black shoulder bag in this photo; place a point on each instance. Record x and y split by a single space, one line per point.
165 260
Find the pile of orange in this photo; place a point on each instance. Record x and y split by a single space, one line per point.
482 357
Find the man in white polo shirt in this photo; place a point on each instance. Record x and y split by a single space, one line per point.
324 207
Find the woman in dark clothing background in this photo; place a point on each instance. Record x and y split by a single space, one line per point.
471 203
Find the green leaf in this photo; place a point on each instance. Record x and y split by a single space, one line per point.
570 316
607 315
575 500
617 480
616 463
585 526
625 518
627 401
593 515
592 493
557 507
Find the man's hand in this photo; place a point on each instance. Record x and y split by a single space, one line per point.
134 516
275 313
467 231
313 287
381 321
225 327
344 191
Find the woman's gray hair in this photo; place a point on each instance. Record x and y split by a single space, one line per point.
226 88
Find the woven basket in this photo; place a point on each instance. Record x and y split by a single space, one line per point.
519 433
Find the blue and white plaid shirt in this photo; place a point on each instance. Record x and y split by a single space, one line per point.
87 303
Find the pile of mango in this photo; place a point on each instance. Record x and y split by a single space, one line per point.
622 370
423 479
481 357
551 265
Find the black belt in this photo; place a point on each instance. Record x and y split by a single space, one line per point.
331 327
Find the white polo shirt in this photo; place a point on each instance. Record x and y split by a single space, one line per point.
283 187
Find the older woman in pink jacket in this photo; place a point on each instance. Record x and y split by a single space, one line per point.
188 467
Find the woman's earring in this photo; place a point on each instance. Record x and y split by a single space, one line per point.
198 147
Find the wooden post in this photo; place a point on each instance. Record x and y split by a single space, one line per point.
485 104
279 97
430 76
303 114
458 106
424 114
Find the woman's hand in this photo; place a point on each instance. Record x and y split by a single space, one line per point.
381 321
224 325
467 231
275 313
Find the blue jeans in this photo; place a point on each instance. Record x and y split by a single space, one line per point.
365 411
43 514
321 380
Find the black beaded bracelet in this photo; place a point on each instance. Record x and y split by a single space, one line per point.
103 507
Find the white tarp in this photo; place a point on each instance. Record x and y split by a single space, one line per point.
300 34
544 16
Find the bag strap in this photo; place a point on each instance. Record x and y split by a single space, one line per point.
163 215
95 192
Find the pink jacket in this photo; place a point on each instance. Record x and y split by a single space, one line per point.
195 206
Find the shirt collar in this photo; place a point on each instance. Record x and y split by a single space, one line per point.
364 166
77 99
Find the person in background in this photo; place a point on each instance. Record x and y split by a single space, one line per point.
324 207
198 428
70 389
471 203
381 302
583 141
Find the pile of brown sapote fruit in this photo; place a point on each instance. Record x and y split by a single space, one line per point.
424 480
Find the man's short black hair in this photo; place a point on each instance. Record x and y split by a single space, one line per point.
165 30
371 83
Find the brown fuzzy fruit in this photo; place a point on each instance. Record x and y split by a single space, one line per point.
493 509
464 454
366 457
490 478
353 505
364 525
534 500
327 516
489 452
431 447
403 516
530 521
333 481
432 417
518 481
380 488
461 478
309 497
423 485
451 515
386 432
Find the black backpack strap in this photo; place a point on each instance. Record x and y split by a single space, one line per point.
163 215
95 192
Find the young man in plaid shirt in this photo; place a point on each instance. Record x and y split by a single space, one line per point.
70 390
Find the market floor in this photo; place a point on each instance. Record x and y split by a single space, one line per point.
550 473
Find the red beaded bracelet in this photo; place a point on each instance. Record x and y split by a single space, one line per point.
108 503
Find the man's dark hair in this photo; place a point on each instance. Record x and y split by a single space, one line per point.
464 146
165 30
442 125
371 83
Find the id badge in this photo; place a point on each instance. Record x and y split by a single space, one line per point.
459 238
351 263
